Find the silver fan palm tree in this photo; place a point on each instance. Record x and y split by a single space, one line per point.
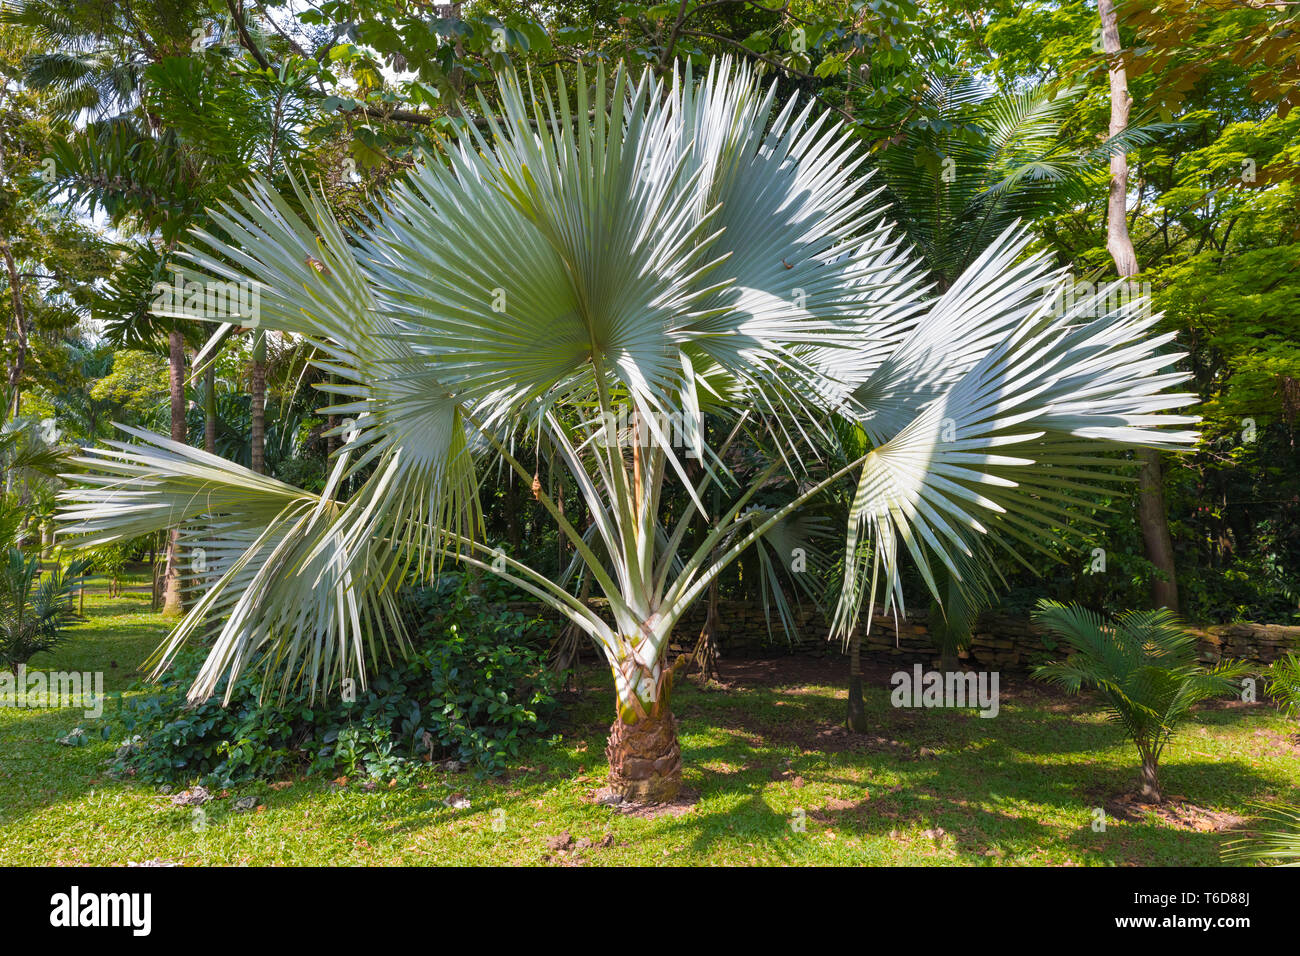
602 266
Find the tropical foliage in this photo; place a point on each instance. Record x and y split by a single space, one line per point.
1282 682
676 249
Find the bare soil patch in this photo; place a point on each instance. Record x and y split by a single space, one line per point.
1177 812
683 804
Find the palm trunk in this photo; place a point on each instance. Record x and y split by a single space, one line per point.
1154 521
1150 782
173 604
566 654
257 452
944 638
514 505
857 715
1152 512
210 410
153 572
645 759
18 364
561 541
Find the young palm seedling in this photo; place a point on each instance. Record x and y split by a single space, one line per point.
1144 664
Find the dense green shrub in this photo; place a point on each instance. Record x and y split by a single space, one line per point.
473 689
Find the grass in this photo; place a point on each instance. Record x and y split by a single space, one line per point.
1019 789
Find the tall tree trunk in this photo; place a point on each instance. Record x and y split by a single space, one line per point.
705 656
210 409
258 439
566 653
458 68
1152 512
153 572
941 633
173 603
949 659
514 499
857 715
561 542
1154 521
645 758
19 362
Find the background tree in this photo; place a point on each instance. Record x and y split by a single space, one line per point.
1152 512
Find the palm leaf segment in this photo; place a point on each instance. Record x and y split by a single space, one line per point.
624 245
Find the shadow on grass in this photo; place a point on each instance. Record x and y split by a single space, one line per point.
976 779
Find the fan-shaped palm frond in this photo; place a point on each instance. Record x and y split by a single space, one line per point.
98 83
1260 844
1012 403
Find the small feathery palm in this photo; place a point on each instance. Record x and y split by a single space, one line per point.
1144 664
598 267
1282 682
34 607
986 160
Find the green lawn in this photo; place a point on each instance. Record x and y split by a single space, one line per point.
1017 789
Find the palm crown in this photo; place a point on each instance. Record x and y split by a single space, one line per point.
644 252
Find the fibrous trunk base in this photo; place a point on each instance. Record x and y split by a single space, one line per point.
645 759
